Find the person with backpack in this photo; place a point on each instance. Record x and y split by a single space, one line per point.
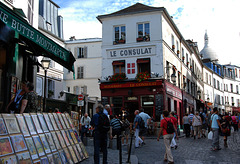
137 123
115 129
146 118
167 129
101 125
173 142
85 125
204 123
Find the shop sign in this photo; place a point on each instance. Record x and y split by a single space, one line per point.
173 92
132 98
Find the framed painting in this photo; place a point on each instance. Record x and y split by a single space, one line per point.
66 151
72 152
56 141
45 143
57 158
5 146
69 137
11 123
50 141
73 136
23 125
69 120
8 160
24 158
37 162
38 145
80 151
44 160
3 130
65 137
61 139
53 121
77 153
58 121
18 143
49 124
84 150
61 120
36 123
65 120
43 123
76 135
30 124
50 159
63 157
31 148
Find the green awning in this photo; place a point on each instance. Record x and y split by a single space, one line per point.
46 46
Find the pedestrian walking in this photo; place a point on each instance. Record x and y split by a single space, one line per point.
225 130
167 137
126 130
115 129
146 118
186 125
173 142
136 128
204 123
215 125
235 122
85 125
197 124
190 116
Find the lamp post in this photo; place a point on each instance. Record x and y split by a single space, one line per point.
173 78
45 66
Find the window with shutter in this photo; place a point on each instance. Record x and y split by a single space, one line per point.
80 73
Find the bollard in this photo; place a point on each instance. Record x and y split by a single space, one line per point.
120 148
130 149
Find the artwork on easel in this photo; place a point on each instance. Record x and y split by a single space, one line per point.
30 124
11 123
77 153
57 121
5 146
63 157
24 158
50 141
66 151
69 137
22 124
53 121
18 143
73 136
61 120
44 160
38 145
45 143
43 123
75 159
69 120
8 160
3 130
57 158
50 159
56 141
80 151
65 120
49 124
61 139
76 135
65 137
84 150
31 148
36 123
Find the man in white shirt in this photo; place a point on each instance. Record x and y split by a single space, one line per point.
85 125
145 117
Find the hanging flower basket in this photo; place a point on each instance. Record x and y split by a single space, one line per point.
178 52
118 77
183 58
142 76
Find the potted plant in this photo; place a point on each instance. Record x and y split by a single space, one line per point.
178 52
183 58
121 40
118 77
142 76
139 39
173 47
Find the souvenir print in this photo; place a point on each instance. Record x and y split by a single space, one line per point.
77 153
8 160
11 123
3 130
45 143
69 137
44 160
69 120
61 120
37 162
50 127
65 120
43 123
18 143
50 141
75 160
73 136
80 151
31 148
22 124
63 157
24 158
61 139
56 141
36 123
65 137
84 150
57 121
66 151
50 159
5 146
57 158
53 121
38 145
30 124
76 135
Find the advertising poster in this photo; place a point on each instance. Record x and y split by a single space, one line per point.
77 153
75 160
44 160
73 136
69 137
65 137
80 151
5 146
18 143
65 120
63 157
31 148
50 159
22 124
57 121
3 130
76 135
61 120
60 138
69 120
57 158
68 155
53 121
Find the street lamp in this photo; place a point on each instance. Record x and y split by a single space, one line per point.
173 78
45 66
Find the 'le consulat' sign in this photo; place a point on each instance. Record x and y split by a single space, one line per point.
131 52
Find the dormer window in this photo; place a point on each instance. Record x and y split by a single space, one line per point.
143 32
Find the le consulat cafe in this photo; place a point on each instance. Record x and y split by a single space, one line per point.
20 45
136 81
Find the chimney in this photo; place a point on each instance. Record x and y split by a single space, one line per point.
72 38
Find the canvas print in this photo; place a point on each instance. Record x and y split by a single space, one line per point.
65 120
43 123
69 120
66 151
80 151
45 143
57 158
77 153
18 143
76 135
50 159
8 160
53 121
38 145
11 123
31 148
44 160
73 136
30 124
61 139
37 124
74 115
63 157
5 146
84 150
22 125
74 157
3 130
56 141
61 120
50 141
57 121
49 124
69 137
65 137
24 158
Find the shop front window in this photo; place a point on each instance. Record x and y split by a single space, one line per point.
147 103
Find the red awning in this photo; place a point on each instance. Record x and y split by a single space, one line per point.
236 109
143 60
118 62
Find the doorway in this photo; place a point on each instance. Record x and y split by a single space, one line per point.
131 107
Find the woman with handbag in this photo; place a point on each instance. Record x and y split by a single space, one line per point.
225 130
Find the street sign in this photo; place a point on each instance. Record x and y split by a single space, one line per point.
80 97
80 103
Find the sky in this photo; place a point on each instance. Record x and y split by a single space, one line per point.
220 18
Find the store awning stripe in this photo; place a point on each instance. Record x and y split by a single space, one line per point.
18 24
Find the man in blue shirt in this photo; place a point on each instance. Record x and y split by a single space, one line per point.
215 125
136 128
145 117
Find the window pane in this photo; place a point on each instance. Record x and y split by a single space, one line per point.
147 29
116 33
123 33
140 30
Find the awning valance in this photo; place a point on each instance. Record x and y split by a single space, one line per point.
46 46
121 62
147 60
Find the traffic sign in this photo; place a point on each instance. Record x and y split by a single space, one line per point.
80 103
80 97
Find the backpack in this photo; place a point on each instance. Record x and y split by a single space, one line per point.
125 124
141 123
103 123
170 129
